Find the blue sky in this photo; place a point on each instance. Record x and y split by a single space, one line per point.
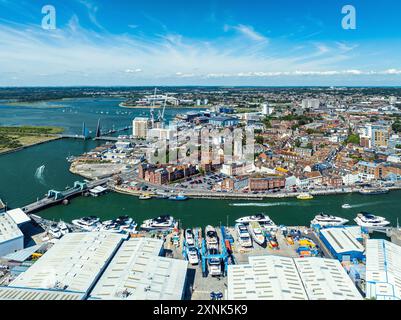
208 42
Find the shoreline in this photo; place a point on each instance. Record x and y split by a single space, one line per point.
2 153
122 105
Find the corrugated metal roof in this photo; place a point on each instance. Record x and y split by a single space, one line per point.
383 270
73 263
10 293
22 255
342 240
138 273
8 228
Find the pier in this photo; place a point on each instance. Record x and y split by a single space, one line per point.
55 197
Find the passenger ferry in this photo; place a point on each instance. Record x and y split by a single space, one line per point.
161 223
368 220
305 196
257 233
326 220
244 238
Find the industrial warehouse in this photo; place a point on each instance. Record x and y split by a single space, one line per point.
278 278
84 262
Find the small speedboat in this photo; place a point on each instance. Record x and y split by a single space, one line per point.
145 197
346 206
326 220
368 220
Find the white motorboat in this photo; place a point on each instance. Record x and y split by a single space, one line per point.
63 228
192 254
212 239
368 220
55 232
261 218
346 206
244 238
214 264
87 223
326 220
189 237
160 223
257 233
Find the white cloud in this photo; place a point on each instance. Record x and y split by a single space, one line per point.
247 31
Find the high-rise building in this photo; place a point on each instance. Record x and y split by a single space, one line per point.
310 103
140 127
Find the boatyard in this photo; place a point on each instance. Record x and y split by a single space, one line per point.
209 254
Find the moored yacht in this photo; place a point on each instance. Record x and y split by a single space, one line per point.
160 223
326 220
212 239
55 232
87 223
257 233
368 220
244 238
192 254
189 237
63 228
260 217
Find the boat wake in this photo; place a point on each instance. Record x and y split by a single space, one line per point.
255 204
39 175
360 205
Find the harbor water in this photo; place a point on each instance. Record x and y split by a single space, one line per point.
28 174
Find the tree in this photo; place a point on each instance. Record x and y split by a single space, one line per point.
354 138
397 126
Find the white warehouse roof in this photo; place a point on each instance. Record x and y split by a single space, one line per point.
8 229
342 240
278 278
326 279
73 263
138 273
383 270
18 216
10 293
265 278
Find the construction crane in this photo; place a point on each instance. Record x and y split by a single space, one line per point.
161 113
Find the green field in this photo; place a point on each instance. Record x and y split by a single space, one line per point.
16 137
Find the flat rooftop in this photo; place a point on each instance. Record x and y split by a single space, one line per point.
8 229
73 263
19 216
342 240
265 278
326 279
279 278
137 272
383 270
10 293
